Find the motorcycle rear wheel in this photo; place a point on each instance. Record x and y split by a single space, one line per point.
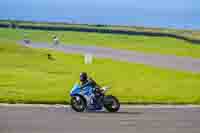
111 103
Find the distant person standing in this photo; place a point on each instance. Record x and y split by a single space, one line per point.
55 40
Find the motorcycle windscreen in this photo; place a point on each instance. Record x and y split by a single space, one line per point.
86 91
75 90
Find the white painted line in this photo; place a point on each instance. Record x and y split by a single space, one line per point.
33 105
161 106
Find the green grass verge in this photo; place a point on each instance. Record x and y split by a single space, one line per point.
159 45
27 76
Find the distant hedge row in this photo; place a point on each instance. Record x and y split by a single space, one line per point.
112 31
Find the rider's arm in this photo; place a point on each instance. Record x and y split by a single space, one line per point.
86 84
93 82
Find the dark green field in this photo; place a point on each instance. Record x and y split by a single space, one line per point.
186 33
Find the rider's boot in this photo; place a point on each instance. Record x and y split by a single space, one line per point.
98 103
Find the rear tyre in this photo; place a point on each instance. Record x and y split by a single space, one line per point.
78 103
111 103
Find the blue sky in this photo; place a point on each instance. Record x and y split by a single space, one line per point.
103 7
139 12
189 7
147 4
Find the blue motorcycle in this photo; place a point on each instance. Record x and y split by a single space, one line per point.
86 99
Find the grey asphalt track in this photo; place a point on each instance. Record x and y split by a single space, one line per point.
164 61
38 119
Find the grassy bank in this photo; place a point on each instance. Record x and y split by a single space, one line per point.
27 76
159 45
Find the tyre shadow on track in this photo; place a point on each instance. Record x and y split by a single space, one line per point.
116 113
105 112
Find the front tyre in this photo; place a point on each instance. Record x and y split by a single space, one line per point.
78 103
111 103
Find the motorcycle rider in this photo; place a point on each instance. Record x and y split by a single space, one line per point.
88 81
55 40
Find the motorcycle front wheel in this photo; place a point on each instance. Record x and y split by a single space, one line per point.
78 103
111 103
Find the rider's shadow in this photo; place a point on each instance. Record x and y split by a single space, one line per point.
117 113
